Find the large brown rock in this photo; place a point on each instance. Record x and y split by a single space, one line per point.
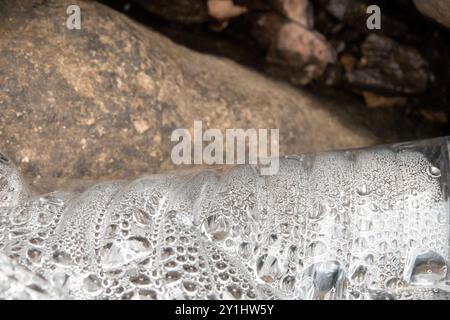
101 102
294 52
439 10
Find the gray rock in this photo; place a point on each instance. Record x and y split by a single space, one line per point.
390 68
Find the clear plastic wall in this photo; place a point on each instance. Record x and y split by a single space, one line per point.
360 224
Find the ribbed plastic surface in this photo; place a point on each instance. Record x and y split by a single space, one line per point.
361 224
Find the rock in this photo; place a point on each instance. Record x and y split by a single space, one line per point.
439 10
224 9
343 9
294 52
392 76
376 101
283 28
102 102
434 116
299 11
354 14
387 67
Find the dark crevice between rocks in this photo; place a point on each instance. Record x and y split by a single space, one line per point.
199 37
367 62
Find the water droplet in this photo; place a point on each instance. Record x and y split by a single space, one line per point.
34 255
140 280
327 280
216 227
234 292
189 287
360 244
61 257
167 252
92 284
434 172
318 212
138 244
362 190
145 294
317 248
142 217
391 283
267 268
288 283
190 268
359 274
172 276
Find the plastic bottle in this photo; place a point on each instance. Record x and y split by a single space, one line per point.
361 224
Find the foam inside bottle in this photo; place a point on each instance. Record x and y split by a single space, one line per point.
361 224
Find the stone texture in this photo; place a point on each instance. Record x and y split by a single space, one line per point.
439 10
299 11
224 9
101 102
404 65
389 68
294 52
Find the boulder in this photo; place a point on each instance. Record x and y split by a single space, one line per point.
294 52
439 10
390 68
101 102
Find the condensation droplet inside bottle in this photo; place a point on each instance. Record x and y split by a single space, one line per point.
434 172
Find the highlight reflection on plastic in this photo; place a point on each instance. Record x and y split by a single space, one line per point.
361 224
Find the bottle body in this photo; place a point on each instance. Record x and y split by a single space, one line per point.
360 224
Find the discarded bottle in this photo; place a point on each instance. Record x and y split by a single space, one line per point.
360 224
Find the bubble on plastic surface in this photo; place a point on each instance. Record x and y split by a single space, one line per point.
267 268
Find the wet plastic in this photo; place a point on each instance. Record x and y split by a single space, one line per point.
361 224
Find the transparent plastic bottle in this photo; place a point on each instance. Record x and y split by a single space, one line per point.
361 224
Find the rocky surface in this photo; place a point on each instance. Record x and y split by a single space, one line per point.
299 11
400 65
405 71
327 43
282 28
101 102
293 51
439 10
